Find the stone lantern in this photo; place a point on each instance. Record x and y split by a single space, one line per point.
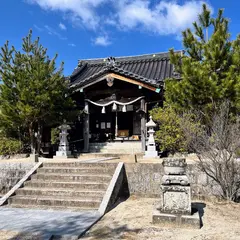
63 148
151 146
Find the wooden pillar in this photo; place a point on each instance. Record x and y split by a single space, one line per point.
116 125
143 124
86 129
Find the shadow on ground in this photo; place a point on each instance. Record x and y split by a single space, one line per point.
39 227
122 232
199 207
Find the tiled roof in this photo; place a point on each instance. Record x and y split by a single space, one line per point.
149 68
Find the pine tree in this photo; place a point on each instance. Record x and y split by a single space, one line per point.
208 67
33 93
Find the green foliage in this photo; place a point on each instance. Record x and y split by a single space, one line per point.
209 70
170 135
34 92
10 146
55 135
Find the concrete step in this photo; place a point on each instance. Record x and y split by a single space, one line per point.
67 185
80 164
98 194
72 177
54 201
73 170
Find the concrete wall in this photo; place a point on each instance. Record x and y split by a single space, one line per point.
11 173
144 179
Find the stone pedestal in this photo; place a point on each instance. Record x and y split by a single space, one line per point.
175 207
176 200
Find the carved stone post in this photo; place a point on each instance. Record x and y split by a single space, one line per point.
175 208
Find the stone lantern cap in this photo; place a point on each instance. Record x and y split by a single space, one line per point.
151 123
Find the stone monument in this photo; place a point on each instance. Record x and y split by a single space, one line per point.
63 148
175 207
151 146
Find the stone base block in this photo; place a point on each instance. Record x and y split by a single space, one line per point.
63 157
151 154
172 220
65 154
34 157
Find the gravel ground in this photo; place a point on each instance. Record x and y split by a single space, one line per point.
132 220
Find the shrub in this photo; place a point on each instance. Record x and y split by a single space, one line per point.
55 135
10 146
171 135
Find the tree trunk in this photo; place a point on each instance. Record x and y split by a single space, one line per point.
32 138
39 138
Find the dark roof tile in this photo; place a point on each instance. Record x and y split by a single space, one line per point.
151 68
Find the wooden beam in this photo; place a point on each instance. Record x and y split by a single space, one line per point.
125 79
119 77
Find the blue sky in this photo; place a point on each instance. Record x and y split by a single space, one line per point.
80 29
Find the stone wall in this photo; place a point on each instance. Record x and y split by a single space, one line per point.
144 179
11 173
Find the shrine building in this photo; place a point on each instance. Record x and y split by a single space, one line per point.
116 95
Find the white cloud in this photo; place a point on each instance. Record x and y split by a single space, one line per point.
102 41
72 45
38 28
62 26
162 17
52 32
83 10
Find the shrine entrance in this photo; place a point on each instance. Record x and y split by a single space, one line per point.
115 120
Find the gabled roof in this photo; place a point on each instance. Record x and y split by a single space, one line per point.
150 68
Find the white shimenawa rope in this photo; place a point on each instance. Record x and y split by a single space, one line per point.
109 103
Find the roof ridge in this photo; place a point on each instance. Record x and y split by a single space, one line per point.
140 56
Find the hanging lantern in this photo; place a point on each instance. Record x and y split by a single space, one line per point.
114 108
103 110
124 109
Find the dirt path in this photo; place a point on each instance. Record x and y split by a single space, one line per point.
131 220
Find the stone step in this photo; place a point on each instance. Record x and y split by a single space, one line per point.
54 201
116 150
72 177
56 208
119 151
115 147
118 143
73 170
61 192
80 164
68 185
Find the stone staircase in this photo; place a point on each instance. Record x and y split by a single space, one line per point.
117 147
65 185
